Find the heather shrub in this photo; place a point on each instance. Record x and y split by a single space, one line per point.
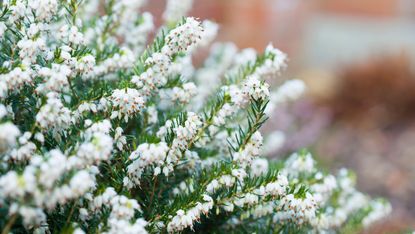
102 131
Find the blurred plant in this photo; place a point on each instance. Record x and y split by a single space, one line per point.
379 92
100 135
372 111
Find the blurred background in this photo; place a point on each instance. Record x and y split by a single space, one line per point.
357 57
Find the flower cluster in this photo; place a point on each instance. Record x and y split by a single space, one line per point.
298 209
182 94
122 210
184 37
97 147
53 115
42 184
180 39
144 156
252 149
8 134
127 102
101 131
184 219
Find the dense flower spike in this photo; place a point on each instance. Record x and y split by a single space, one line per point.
14 80
101 132
273 65
146 155
184 37
53 115
8 134
127 102
251 150
184 219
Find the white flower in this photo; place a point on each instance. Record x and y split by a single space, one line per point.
379 210
227 180
131 5
160 63
81 183
156 75
3 111
263 209
8 134
288 91
274 142
299 210
127 102
152 114
19 10
148 81
246 199
259 166
324 189
3 28
228 206
33 30
40 137
102 200
277 188
52 169
240 174
184 134
136 36
75 37
32 216
210 31
123 208
163 130
123 59
176 9
24 152
122 226
98 127
86 64
184 37
144 156
250 151
71 79
120 139
238 97
3 87
208 204
56 78
275 62
78 230
256 89
97 149
15 79
226 111
184 219
182 95
244 57
212 186
44 9
297 164
29 49
15 185
53 115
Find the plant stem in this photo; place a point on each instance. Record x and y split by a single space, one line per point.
9 224
70 215
153 192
